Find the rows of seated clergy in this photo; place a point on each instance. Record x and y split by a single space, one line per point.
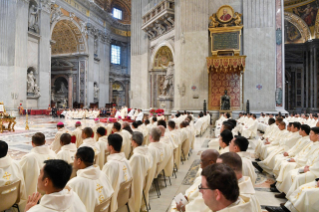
99 166
81 113
291 154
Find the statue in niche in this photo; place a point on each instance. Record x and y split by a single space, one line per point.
63 89
30 82
36 90
225 102
96 46
96 91
33 18
168 83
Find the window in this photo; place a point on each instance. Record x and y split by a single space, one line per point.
117 13
116 54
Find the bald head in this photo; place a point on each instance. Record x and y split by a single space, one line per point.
208 157
162 129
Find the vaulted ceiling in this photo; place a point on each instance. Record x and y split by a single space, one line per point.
124 5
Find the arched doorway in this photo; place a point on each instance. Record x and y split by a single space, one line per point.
118 94
162 58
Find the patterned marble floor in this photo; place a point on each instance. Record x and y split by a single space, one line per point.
20 144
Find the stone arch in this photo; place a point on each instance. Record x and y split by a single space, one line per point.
158 47
300 25
68 38
162 56
59 76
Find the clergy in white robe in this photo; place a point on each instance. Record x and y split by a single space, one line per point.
126 136
91 184
88 140
117 167
169 149
250 130
305 198
131 113
102 143
175 137
10 172
140 116
68 149
77 133
140 162
269 131
184 140
95 127
239 145
224 139
55 145
53 177
32 162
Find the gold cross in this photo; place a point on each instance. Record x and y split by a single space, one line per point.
99 188
6 175
101 198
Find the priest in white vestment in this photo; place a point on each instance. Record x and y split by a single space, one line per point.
32 162
224 139
184 136
131 113
141 163
169 148
140 115
77 133
175 136
126 136
52 180
55 145
68 149
117 167
10 172
102 143
88 140
91 184
95 127
250 130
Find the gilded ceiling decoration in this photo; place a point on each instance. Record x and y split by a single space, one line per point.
162 58
300 24
68 38
124 5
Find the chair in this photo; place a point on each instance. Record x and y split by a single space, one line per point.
104 206
148 206
124 194
10 196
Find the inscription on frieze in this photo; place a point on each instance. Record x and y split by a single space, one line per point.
225 41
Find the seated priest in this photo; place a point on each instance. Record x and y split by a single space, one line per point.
68 149
52 180
77 133
91 184
117 167
55 145
126 136
102 143
32 162
88 140
10 172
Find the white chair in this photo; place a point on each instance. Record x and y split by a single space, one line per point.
10 196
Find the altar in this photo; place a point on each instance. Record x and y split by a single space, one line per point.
225 66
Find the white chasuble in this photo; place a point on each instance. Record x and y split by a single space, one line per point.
92 186
31 165
67 153
118 170
158 150
65 200
95 127
247 190
140 163
248 169
56 146
78 135
126 144
90 142
101 159
10 172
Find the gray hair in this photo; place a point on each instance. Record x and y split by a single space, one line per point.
156 133
138 138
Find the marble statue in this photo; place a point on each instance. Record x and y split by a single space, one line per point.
96 91
225 102
56 14
65 103
63 89
36 90
33 17
30 82
169 78
52 96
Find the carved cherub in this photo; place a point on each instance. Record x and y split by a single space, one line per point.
237 18
213 21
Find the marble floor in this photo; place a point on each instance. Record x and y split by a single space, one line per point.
20 144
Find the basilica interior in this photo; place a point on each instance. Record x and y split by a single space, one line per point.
210 76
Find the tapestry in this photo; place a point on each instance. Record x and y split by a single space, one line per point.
218 83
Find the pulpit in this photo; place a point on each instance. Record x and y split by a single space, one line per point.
6 119
225 66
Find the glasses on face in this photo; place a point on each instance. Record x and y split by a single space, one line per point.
200 187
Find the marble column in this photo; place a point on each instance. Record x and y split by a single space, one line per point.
315 78
307 78
70 82
111 90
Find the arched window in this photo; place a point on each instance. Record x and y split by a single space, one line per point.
117 13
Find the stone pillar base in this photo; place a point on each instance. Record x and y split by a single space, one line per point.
166 103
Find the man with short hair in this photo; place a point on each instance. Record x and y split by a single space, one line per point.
68 149
78 134
52 180
102 143
10 172
91 184
246 188
239 145
32 162
169 146
250 130
88 140
126 137
225 126
174 134
96 125
141 165
271 128
220 189
55 145
117 167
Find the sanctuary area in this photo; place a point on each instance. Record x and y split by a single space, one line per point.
159 105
